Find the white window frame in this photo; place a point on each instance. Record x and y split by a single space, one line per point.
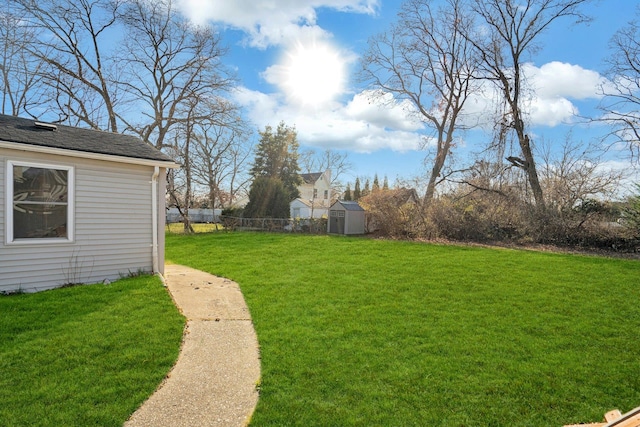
9 239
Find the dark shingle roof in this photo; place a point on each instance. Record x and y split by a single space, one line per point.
24 131
350 205
310 178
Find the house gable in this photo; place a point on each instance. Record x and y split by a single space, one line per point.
315 194
316 188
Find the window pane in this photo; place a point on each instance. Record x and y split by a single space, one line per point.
39 221
39 185
40 202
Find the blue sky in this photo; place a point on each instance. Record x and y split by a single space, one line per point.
273 42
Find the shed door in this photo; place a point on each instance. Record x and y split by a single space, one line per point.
336 226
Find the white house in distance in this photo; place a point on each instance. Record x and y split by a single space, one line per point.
315 196
77 205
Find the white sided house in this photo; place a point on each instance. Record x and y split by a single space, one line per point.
315 196
77 205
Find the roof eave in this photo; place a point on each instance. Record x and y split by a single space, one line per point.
87 155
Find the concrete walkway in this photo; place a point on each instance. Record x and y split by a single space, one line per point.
214 380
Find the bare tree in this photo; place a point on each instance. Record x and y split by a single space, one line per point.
621 102
308 161
181 191
237 180
425 59
71 46
20 72
169 63
338 163
576 174
510 29
221 156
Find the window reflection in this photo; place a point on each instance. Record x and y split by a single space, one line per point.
40 202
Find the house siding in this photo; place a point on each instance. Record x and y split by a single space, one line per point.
321 185
322 200
113 221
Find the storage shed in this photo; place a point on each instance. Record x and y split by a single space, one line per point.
77 205
346 217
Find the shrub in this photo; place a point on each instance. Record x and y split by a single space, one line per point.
631 214
232 212
394 213
478 216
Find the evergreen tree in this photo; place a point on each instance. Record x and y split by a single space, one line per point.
277 157
385 183
376 183
367 188
356 192
275 173
347 193
267 199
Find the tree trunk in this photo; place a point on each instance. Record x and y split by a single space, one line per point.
438 164
532 172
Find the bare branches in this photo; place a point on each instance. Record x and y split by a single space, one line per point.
513 28
221 154
20 72
576 174
169 63
426 59
336 162
70 46
621 102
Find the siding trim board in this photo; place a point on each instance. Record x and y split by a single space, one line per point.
85 155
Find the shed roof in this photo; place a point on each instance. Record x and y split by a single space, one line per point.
25 131
348 205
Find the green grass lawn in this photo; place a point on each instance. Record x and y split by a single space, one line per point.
86 355
367 332
178 227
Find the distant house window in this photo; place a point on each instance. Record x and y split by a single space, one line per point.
326 194
39 203
315 193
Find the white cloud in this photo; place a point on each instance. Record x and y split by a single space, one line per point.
551 94
271 22
260 106
368 123
559 79
556 88
551 111
357 126
383 111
